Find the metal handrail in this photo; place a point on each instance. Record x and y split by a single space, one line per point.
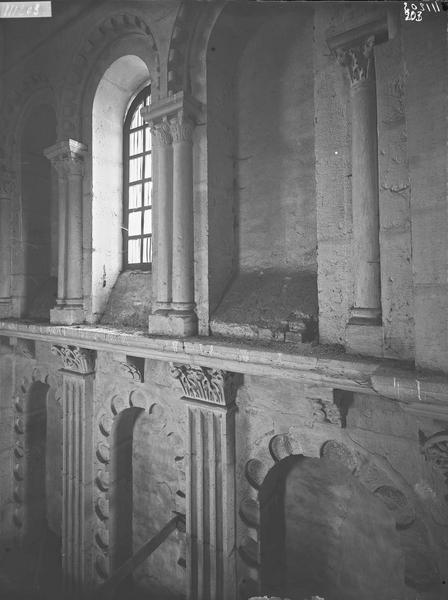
177 522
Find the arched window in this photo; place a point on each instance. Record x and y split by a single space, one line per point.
137 186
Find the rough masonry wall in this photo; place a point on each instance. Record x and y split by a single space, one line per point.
425 107
275 146
222 226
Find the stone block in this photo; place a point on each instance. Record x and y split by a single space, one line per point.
67 315
173 324
364 339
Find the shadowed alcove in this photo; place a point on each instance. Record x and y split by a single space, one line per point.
323 533
39 214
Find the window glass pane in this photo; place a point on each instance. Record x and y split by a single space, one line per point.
147 195
135 195
147 221
147 250
148 165
134 251
136 169
148 140
135 223
137 121
136 142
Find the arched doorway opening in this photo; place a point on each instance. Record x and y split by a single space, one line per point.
324 533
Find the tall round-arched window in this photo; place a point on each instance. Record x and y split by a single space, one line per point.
137 186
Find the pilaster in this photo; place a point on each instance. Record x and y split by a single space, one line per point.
67 158
210 395
77 471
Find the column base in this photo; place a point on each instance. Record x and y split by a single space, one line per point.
173 323
366 339
67 315
365 316
5 308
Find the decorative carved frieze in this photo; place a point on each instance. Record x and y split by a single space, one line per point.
358 59
208 385
74 358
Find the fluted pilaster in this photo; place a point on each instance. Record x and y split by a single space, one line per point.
209 395
77 471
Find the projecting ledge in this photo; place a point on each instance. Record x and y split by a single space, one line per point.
315 365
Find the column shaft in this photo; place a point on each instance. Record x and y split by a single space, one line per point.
5 252
163 215
365 198
74 239
62 240
6 193
183 241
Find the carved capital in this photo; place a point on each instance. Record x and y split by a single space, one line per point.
182 128
208 385
74 358
162 131
67 157
358 60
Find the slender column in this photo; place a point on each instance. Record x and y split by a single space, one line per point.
210 401
163 214
74 167
6 193
359 61
183 241
77 470
67 159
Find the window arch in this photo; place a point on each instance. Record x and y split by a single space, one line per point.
137 186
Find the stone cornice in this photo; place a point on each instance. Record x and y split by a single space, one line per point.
378 29
382 377
171 107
